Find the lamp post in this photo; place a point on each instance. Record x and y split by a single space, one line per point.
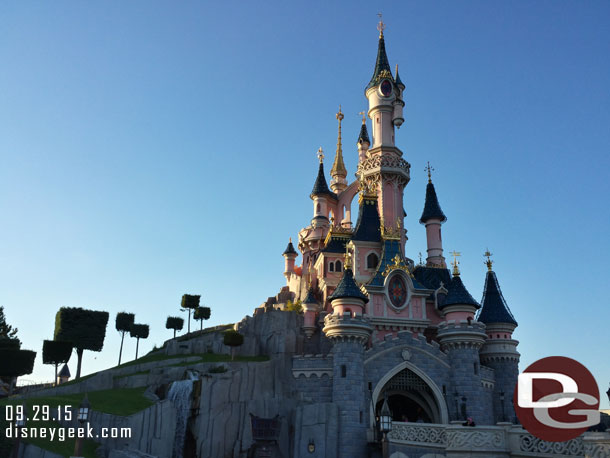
19 423
84 409
385 420
502 404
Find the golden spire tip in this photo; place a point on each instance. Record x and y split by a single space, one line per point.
363 114
320 154
381 25
456 263
488 262
429 169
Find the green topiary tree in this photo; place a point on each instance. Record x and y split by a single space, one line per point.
56 352
139 331
202 313
233 339
174 322
189 302
294 306
86 329
15 362
123 324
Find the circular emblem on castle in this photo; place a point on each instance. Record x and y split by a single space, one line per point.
397 291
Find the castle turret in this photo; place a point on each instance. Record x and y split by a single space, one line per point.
433 217
399 102
461 338
338 171
349 330
290 255
310 308
363 139
500 349
320 194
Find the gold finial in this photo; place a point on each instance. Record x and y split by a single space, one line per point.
340 115
290 239
489 262
420 261
455 254
381 25
320 154
348 259
429 168
363 114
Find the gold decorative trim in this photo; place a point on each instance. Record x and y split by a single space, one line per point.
399 264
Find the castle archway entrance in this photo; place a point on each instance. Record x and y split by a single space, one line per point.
412 396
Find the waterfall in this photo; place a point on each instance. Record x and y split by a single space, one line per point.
180 396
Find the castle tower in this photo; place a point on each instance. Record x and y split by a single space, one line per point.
363 140
321 195
384 167
500 349
338 171
290 255
433 217
461 338
349 331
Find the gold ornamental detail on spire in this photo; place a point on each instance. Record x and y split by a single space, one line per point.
367 192
456 263
320 155
429 169
393 232
488 262
397 264
338 169
339 232
381 25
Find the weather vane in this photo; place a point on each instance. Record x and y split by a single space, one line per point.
320 154
489 262
363 114
429 169
381 25
420 261
455 255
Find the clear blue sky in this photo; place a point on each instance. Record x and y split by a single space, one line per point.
150 149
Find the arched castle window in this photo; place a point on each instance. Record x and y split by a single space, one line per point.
338 266
318 208
331 266
371 261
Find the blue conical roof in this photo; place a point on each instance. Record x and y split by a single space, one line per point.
380 65
398 80
368 226
364 135
320 186
347 287
458 294
289 249
432 209
495 309
310 298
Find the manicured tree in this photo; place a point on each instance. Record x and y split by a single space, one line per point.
139 331
190 302
174 322
233 339
15 362
56 352
123 324
202 313
86 329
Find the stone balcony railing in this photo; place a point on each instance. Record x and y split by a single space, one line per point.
484 441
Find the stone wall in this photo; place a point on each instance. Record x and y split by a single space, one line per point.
317 424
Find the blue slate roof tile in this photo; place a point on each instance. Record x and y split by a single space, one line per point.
432 209
458 294
347 287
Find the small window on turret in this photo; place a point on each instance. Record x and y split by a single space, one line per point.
344 371
338 266
371 261
331 266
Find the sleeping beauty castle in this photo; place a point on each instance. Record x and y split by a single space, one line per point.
382 334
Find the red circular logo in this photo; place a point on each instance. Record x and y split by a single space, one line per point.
557 399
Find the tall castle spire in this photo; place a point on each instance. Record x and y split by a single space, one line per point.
338 171
433 217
